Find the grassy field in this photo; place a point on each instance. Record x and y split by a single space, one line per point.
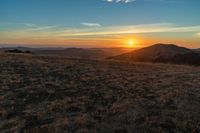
56 94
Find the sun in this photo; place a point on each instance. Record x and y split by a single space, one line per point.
131 43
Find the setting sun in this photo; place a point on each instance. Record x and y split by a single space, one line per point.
131 43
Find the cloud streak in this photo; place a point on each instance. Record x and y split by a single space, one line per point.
42 28
90 24
131 29
198 35
129 1
96 31
119 1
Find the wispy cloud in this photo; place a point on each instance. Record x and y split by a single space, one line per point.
41 28
26 26
130 29
30 25
118 1
91 24
198 35
129 1
55 31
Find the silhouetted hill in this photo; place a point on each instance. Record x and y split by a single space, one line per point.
164 53
17 51
18 48
197 50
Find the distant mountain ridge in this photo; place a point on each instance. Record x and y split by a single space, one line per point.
82 53
74 53
163 53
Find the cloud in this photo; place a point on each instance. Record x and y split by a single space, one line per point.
41 28
91 24
129 1
30 25
63 33
198 35
129 29
118 1
17 26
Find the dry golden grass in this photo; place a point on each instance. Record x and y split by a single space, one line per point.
56 94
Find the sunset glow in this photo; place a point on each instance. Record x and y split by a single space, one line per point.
68 26
131 43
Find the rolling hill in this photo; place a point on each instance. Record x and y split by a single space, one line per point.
82 53
164 53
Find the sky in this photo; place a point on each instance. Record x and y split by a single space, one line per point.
99 23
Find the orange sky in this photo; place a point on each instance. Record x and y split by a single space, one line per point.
121 41
99 23
113 36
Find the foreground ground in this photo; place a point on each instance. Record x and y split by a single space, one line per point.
54 94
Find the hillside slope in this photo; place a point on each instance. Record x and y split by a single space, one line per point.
59 95
166 53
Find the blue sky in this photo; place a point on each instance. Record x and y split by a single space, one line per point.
87 20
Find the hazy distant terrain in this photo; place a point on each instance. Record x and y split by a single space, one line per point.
82 53
157 53
57 94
